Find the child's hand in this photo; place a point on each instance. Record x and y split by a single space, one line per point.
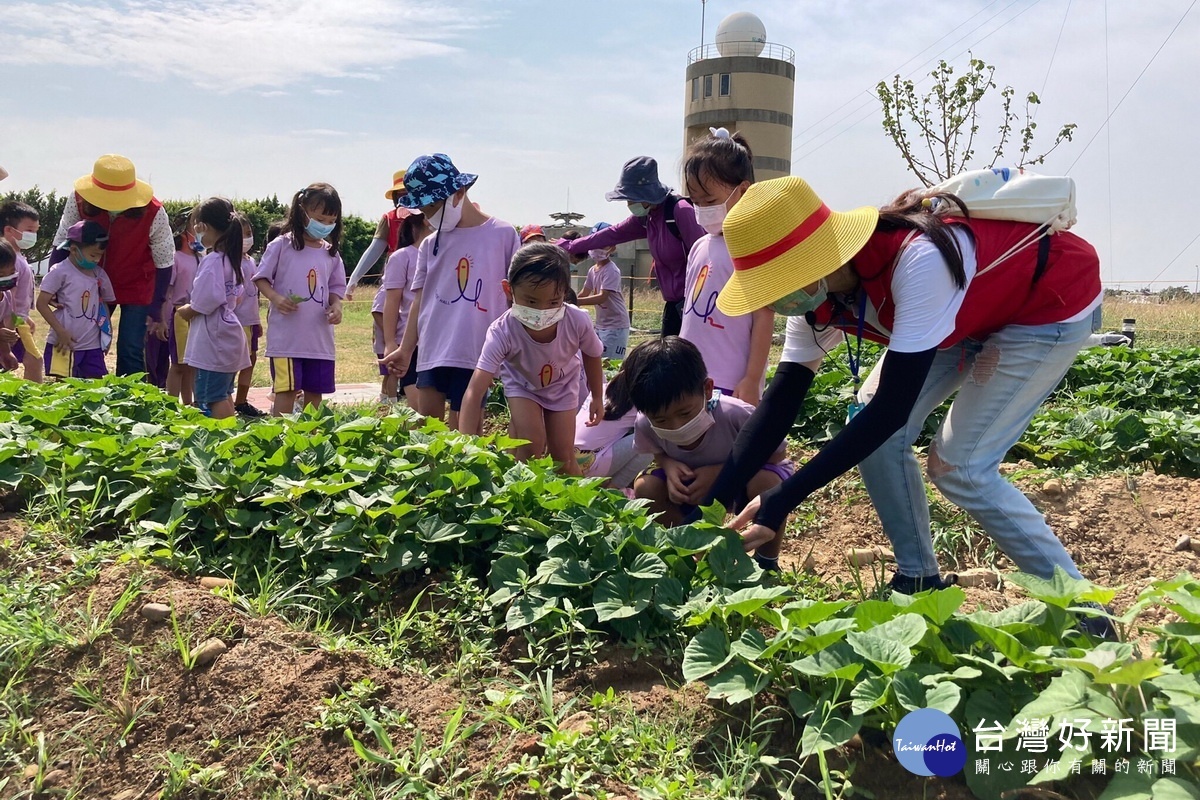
679 475
334 314
8 336
158 330
748 391
705 477
285 304
8 361
397 362
65 343
32 327
595 412
754 535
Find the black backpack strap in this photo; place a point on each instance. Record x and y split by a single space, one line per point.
1043 256
669 215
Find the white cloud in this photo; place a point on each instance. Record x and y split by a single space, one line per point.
234 44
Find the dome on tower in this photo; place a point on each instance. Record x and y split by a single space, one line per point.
741 34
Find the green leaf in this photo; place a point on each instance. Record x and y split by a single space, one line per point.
945 697
870 693
836 662
827 732
906 629
736 684
707 652
938 606
910 693
647 566
888 655
618 597
746 601
803 613
1062 590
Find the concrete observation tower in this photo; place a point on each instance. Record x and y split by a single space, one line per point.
744 83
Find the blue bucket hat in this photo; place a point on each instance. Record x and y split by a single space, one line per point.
432 178
639 183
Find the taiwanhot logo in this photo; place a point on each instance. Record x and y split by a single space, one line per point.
927 742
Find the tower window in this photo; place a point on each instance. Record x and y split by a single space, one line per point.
708 85
724 84
695 89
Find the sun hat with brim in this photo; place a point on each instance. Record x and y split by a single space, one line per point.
529 231
113 185
432 178
781 238
639 183
397 185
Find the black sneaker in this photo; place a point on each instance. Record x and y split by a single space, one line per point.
906 584
247 410
767 564
1099 627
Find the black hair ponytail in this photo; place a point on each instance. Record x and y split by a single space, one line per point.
219 215
913 210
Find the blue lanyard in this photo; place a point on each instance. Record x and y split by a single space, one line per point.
854 355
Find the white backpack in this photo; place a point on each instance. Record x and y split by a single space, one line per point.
1017 195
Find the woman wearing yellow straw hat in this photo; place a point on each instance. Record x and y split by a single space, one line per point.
387 233
915 275
140 254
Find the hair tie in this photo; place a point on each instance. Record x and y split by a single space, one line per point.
233 215
719 133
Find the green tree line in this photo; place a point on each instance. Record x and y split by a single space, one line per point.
356 235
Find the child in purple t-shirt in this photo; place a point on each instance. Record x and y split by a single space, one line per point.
8 316
689 432
718 169
79 287
535 348
303 277
216 344
19 224
391 306
181 379
607 449
603 288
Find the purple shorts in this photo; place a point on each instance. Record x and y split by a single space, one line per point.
174 346
302 375
783 469
252 333
83 363
18 350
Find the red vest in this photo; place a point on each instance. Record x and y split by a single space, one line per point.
128 259
1001 296
393 220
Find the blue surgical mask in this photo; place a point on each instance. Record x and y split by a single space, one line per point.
318 230
84 263
8 283
638 209
800 302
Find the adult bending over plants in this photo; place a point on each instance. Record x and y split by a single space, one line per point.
924 279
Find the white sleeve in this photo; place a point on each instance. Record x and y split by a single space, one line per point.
70 216
926 298
803 344
162 241
369 257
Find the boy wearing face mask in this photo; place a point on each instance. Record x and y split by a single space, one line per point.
79 287
8 285
19 223
457 289
603 288
690 432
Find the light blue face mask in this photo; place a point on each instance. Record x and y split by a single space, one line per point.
800 302
638 209
318 230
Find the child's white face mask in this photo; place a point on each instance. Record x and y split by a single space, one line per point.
538 319
690 431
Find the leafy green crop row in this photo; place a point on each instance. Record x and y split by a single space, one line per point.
844 667
1117 407
356 505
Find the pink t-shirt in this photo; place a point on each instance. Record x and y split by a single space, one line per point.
22 294
604 434
723 341
183 273
216 341
462 295
313 276
247 310
715 447
79 292
398 274
612 313
546 373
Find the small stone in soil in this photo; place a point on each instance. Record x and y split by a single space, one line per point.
1052 487
1184 543
30 772
207 651
155 612
128 794
978 578
214 583
579 722
56 777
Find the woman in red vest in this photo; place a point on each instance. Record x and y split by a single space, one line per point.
960 313
140 254
387 234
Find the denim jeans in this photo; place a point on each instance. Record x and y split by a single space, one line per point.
1000 383
131 339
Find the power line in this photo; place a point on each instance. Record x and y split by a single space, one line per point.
1176 258
1104 124
1050 66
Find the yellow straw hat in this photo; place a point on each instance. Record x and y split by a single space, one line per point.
782 238
113 185
397 185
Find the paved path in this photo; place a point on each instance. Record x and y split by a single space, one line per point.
346 394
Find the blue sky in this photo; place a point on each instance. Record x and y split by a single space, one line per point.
253 97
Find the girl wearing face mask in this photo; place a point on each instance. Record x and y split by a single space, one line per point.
959 316
181 378
604 288
301 274
717 171
688 429
535 347
72 300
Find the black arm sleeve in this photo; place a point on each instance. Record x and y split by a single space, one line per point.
763 432
900 384
162 282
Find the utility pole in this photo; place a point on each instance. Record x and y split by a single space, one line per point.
703 5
